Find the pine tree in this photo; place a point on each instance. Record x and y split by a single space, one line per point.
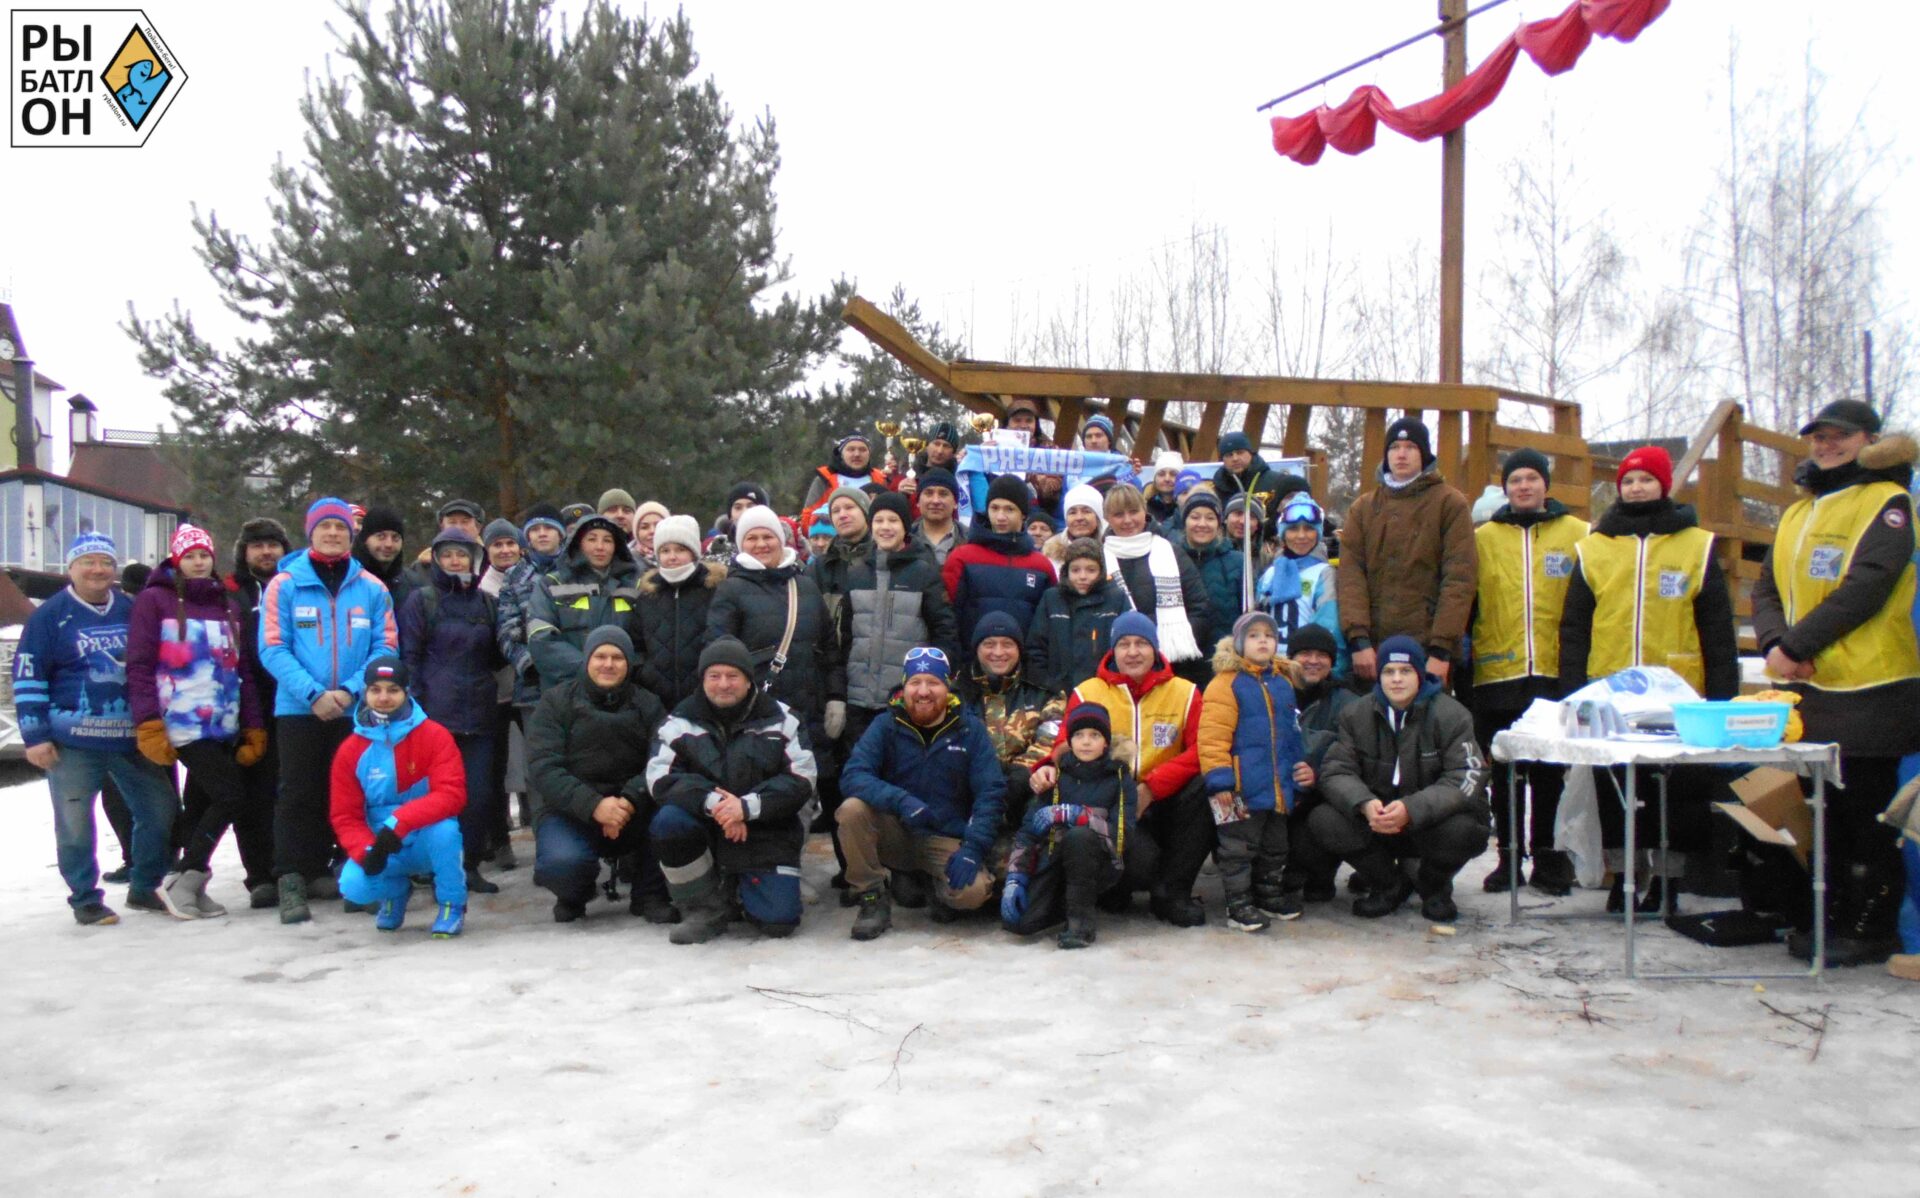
517 263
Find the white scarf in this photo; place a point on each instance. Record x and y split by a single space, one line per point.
678 574
1177 641
746 561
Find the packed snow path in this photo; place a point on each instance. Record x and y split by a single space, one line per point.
1326 1056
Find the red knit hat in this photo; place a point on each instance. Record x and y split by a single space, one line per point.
1654 460
186 538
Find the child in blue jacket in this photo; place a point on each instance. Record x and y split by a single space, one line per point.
1252 757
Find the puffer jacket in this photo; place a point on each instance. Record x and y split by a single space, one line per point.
447 636
757 752
1258 479
751 604
995 571
188 661
1250 730
573 600
670 627
315 641
1439 765
1071 633
1222 568
951 768
1103 786
894 601
404 768
585 742
1408 566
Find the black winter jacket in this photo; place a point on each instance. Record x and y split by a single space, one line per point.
758 752
751 604
669 629
585 743
1442 772
1070 634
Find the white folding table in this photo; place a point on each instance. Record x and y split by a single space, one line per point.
1821 762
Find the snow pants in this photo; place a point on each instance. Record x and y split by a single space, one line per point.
434 849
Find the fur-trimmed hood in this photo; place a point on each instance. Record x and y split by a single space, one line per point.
1892 450
1890 459
1227 661
651 583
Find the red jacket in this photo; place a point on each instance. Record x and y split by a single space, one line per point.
407 770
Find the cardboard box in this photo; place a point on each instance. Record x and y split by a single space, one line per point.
1772 810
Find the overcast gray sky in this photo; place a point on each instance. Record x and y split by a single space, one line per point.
976 151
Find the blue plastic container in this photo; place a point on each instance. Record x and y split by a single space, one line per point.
1731 725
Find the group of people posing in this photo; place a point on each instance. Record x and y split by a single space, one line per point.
1063 698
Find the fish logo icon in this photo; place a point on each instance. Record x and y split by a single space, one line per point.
136 77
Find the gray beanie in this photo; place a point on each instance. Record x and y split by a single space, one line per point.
499 530
608 634
727 651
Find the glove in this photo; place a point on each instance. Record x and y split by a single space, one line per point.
385 845
836 721
1058 815
1013 900
253 746
151 736
962 868
918 817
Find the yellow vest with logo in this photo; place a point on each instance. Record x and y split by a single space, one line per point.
1524 574
1156 724
1643 593
1813 550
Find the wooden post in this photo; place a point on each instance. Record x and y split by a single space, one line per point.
1295 445
1146 439
1066 421
1452 467
1453 206
1373 446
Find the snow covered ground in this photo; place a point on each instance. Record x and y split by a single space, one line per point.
1330 1056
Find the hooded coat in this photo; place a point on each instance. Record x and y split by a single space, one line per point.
512 604
755 751
1429 761
950 767
403 768
670 629
447 637
751 604
575 599
585 742
894 601
1250 730
1408 566
188 662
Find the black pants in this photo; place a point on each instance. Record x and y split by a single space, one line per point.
1442 848
500 823
1166 849
1252 852
1540 787
220 792
1690 791
1863 854
1070 882
302 833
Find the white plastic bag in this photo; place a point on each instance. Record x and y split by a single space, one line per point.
1576 827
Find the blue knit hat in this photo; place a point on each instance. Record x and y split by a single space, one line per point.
92 542
1103 424
1402 651
926 659
1137 624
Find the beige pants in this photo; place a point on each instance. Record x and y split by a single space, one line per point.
875 843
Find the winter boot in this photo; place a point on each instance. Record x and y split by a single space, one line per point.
263 897
476 884
566 911
1384 885
504 858
909 889
1243 916
703 910
208 908
876 914
148 900
654 908
1499 880
293 899
392 913
94 915
1552 873
177 894
1076 935
449 923
1439 907
1275 899
115 877
1864 930
1185 912
323 888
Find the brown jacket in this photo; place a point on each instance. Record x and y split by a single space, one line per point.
1408 565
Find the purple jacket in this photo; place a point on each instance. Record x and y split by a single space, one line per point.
187 660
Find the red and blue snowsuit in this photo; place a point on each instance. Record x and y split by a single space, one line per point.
402 772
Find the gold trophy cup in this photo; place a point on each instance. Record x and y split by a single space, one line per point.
913 443
888 429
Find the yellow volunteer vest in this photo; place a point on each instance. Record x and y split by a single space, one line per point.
1524 574
1643 593
1156 724
1812 552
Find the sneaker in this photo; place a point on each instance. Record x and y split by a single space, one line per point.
263 897
177 896
94 915
326 886
654 908
876 914
450 922
567 912
391 913
1288 904
1187 912
1072 937
293 900
1439 908
477 884
116 877
1243 916
1377 903
147 900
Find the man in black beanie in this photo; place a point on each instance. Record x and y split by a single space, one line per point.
380 548
1408 565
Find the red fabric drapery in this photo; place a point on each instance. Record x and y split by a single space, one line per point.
1554 44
